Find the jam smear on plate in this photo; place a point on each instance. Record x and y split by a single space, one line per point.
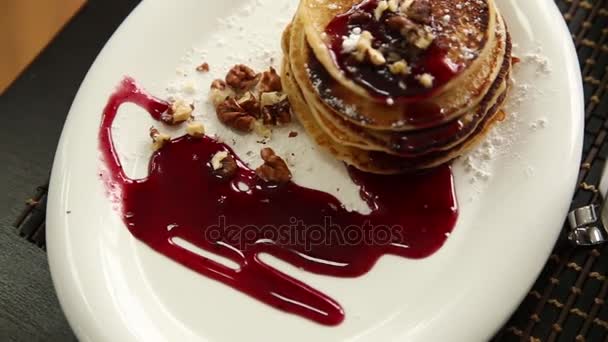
242 217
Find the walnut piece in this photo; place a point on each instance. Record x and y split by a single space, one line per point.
218 84
250 107
270 81
195 129
219 92
415 34
203 67
179 111
420 11
268 99
363 44
276 109
230 113
242 78
249 102
398 22
278 113
376 57
223 164
426 80
399 68
158 139
274 169
365 50
393 5
380 8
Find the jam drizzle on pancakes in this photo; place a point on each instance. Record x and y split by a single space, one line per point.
409 56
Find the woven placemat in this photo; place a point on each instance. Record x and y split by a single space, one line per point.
567 302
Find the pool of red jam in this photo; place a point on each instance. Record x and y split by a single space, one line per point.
412 216
380 82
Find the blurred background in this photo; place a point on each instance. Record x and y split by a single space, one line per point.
26 27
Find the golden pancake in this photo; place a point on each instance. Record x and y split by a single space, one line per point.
470 85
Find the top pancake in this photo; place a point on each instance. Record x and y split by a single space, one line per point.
466 92
464 27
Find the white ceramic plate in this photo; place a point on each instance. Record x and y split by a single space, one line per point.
114 288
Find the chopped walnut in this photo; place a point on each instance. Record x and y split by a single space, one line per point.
415 34
376 57
158 139
270 98
426 80
380 8
179 111
249 102
421 38
276 109
364 44
218 84
277 114
399 68
274 169
216 160
242 78
393 5
365 50
223 164
420 11
251 108
270 81
195 129
233 115
219 92
398 22
203 67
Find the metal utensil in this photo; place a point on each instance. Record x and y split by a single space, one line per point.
589 224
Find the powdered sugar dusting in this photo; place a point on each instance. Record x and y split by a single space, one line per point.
479 163
540 62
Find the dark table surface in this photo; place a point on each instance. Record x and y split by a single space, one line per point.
33 110
567 301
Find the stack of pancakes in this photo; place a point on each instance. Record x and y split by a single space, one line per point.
425 89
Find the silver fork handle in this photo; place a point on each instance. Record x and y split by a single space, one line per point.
588 224
587 229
